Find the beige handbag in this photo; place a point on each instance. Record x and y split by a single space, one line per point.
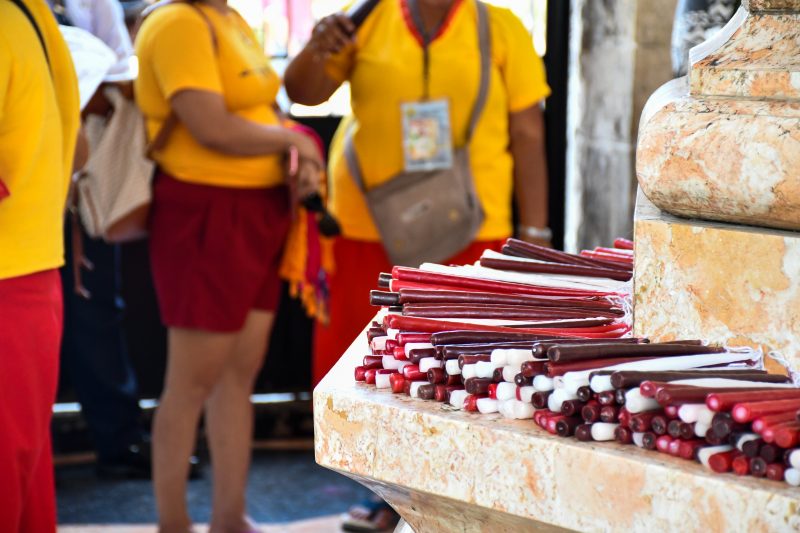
430 216
115 185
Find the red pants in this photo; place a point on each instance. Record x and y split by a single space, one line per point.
358 264
30 334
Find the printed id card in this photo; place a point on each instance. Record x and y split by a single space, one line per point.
427 142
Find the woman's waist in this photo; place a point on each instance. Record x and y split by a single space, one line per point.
168 182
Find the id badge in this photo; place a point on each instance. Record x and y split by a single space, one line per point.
427 142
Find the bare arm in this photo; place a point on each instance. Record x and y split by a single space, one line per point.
526 131
305 79
218 129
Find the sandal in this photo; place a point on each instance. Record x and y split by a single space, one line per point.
370 516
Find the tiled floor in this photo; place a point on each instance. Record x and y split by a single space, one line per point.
326 524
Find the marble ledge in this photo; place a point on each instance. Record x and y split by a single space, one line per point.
448 471
720 282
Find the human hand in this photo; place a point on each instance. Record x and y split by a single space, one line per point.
541 236
331 35
307 180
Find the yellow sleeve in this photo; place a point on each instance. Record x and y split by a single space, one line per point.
521 67
183 55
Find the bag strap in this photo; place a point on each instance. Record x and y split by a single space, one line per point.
22 7
485 48
172 120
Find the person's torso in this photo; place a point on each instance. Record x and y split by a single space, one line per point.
388 72
249 88
39 118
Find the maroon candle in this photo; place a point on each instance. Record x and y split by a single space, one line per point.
609 413
566 426
658 424
591 412
584 432
539 399
607 398
623 435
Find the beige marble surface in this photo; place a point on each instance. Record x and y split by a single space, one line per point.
517 477
722 159
720 282
759 60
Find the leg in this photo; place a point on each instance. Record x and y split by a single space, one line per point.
196 363
94 354
229 419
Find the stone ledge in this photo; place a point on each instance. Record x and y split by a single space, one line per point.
490 465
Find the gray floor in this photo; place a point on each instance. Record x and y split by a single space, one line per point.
284 486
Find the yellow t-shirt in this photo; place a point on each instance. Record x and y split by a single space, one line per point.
39 119
385 69
176 52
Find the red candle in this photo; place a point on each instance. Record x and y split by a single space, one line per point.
688 448
723 401
763 422
747 411
369 376
397 382
663 442
775 471
722 462
741 465
788 436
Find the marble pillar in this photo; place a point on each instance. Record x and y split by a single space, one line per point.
619 54
724 144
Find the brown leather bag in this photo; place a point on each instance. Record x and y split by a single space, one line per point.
430 216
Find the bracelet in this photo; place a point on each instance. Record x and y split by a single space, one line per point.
535 233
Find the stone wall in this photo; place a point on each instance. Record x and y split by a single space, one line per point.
619 55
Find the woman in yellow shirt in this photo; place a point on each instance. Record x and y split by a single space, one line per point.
387 65
219 219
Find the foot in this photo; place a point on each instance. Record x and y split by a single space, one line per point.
373 515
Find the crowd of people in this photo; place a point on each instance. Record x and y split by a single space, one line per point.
450 90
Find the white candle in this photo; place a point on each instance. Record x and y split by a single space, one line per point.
426 363
636 403
457 398
690 412
603 431
543 383
378 343
638 439
452 368
601 383
574 380
526 393
468 371
414 390
416 346
506 391
382 381
487 405
792 476
517 357
509 373
485 369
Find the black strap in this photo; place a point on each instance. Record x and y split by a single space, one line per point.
22 7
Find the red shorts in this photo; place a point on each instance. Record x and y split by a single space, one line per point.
30 334
358 264
215 252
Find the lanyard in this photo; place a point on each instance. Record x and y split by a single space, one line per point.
427 38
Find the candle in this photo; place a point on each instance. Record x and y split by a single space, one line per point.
704 454
623 435
663 442
591 412
566 426
580 352
747 411
636 403
487 405
792 476
688 448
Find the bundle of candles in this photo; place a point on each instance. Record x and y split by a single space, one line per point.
538 334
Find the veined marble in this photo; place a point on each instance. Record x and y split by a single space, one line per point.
759 60
722 159
726 144
724 283
766 5
451 471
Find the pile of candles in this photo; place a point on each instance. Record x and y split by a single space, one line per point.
538 334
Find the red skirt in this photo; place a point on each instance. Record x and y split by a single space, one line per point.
358 264
215 252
